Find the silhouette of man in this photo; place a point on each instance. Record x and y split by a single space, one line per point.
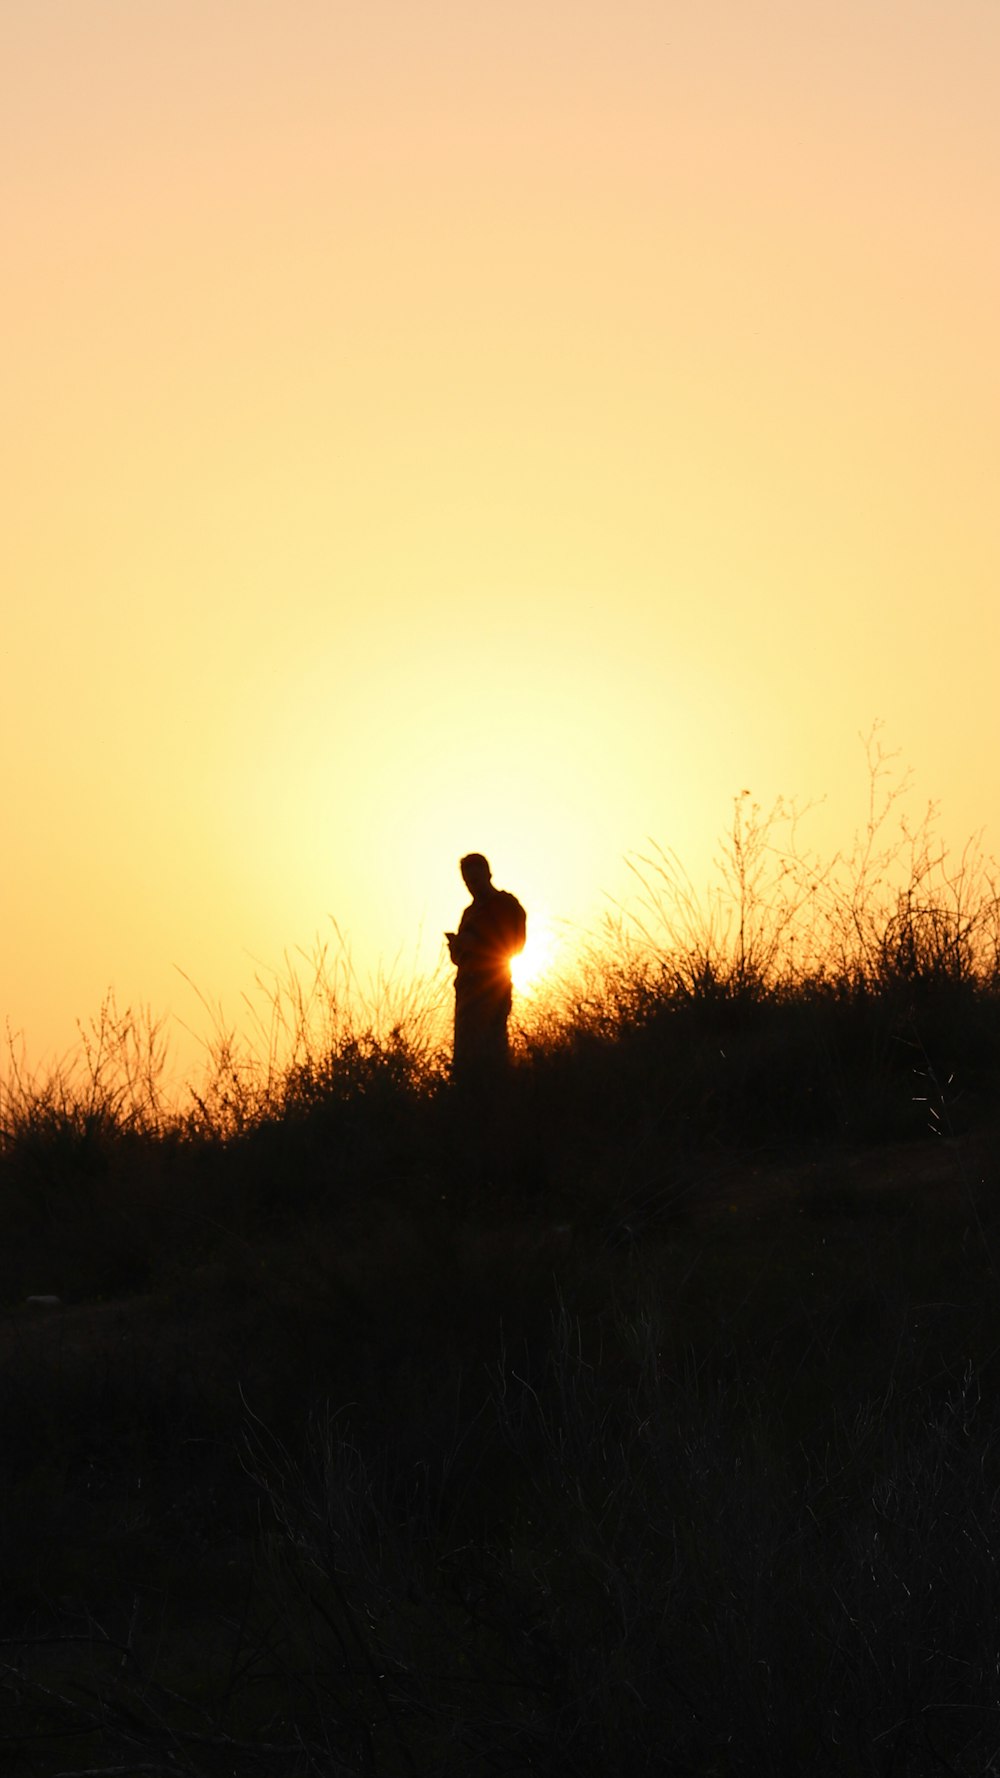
491 931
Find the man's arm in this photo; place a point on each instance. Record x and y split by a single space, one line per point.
461 944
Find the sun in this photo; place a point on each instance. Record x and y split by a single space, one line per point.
529 969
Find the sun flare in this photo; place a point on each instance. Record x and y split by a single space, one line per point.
529 970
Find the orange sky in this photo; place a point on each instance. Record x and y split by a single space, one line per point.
514 428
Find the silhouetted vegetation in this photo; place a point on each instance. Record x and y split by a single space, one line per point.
639 1419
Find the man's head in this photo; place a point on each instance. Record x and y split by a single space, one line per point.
476 873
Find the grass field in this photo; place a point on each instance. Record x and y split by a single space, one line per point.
640 1418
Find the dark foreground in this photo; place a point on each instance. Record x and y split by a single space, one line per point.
699 1474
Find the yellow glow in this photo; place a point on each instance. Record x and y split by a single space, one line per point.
528 971
440 429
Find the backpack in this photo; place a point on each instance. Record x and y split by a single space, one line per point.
515 922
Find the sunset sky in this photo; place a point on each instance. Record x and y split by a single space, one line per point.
431 427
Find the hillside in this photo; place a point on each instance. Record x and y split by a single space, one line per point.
635 1415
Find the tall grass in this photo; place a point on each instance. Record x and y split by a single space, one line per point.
893 911
893 927
795 995
793 1000
311 1029
114 1081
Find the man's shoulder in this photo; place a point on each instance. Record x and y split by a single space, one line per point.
508 904
513 920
